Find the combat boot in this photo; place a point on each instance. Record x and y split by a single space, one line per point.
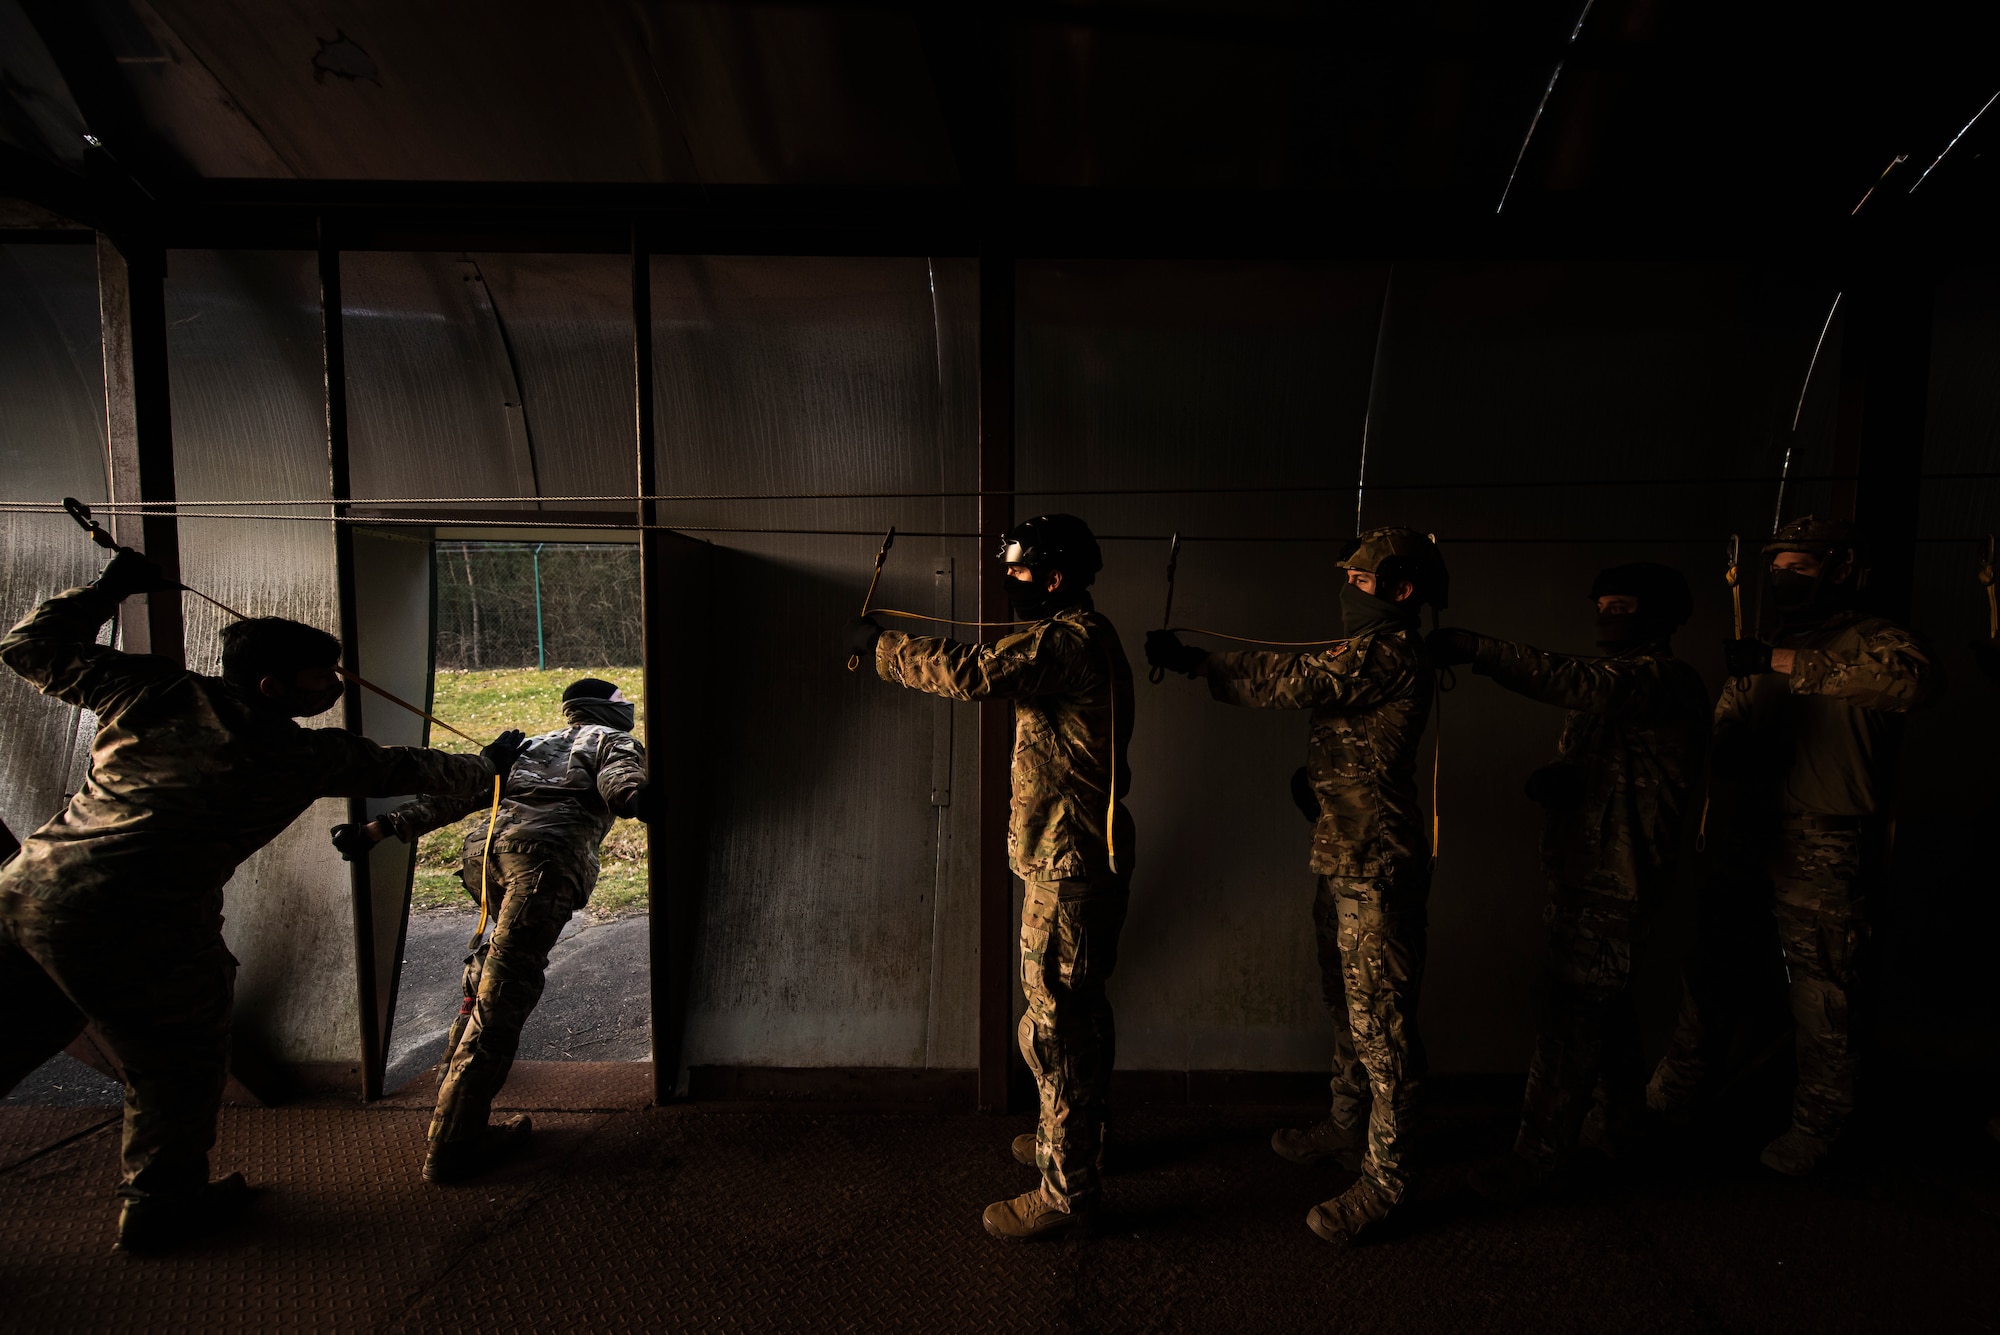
1034 1215
1325 1140
1796 1153
1352 1215
1508 1180
452 1161
161 1223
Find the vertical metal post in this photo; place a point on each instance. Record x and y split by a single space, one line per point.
139 433
1879 432
334 349
997 929
541 643
653 675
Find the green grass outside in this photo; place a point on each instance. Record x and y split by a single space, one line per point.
486 703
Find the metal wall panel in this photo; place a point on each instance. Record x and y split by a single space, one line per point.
250 424
51 446
837 925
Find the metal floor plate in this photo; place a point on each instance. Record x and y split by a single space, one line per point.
680 1218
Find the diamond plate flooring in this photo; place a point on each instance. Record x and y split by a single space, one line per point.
685 1218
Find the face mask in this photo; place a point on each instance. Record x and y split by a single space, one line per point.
607 713
1792 590
1361 612
1616 630
299 704
1030 602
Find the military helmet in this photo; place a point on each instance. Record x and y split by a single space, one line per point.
1053 542
1397 553
1664 598
1833 542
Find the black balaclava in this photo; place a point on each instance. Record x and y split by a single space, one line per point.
1031 602
1806 600
594 700
1362 612
1665 603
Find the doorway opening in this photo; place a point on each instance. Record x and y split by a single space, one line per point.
515 623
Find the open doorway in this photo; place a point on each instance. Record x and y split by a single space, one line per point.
515 623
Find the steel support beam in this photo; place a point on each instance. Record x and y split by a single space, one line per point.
333 346
998 934
139 434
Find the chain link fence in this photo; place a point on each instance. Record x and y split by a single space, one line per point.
536 605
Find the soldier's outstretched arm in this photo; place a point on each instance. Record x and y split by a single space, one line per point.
1892 672
1264 680
432 811
1588 685
620 762
352 766
55 650
1043 661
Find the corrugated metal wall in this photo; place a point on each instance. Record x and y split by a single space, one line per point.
837 923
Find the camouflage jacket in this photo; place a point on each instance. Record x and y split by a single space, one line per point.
1637 725
566 787
1370 697
189 775
1823 739
1070 685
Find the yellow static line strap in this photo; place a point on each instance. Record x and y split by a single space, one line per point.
486 865
944 621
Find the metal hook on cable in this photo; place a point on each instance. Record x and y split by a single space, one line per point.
881 555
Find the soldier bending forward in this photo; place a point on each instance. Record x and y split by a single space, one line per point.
540 865
112 912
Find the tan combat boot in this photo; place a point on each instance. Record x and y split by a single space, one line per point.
452 1161
162 1223
1352 1215
1324 1140
1032 1215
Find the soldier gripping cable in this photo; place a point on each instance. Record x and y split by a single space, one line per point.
1616 797
539 862
1802 758
112 912
1370 696
1072 691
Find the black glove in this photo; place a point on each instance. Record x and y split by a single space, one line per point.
1558 786
1303 795
353 841
862 632
1164 650
132 572
1745 657
1986 653
648 802
500 752
1449 646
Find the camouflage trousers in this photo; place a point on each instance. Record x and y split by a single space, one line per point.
1816 900
1586 1034
161 1002
537 887
1371 933
1069 946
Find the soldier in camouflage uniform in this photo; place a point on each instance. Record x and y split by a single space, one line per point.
1616 797
1070 839
537 866
112 912
1803 758
1370 696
